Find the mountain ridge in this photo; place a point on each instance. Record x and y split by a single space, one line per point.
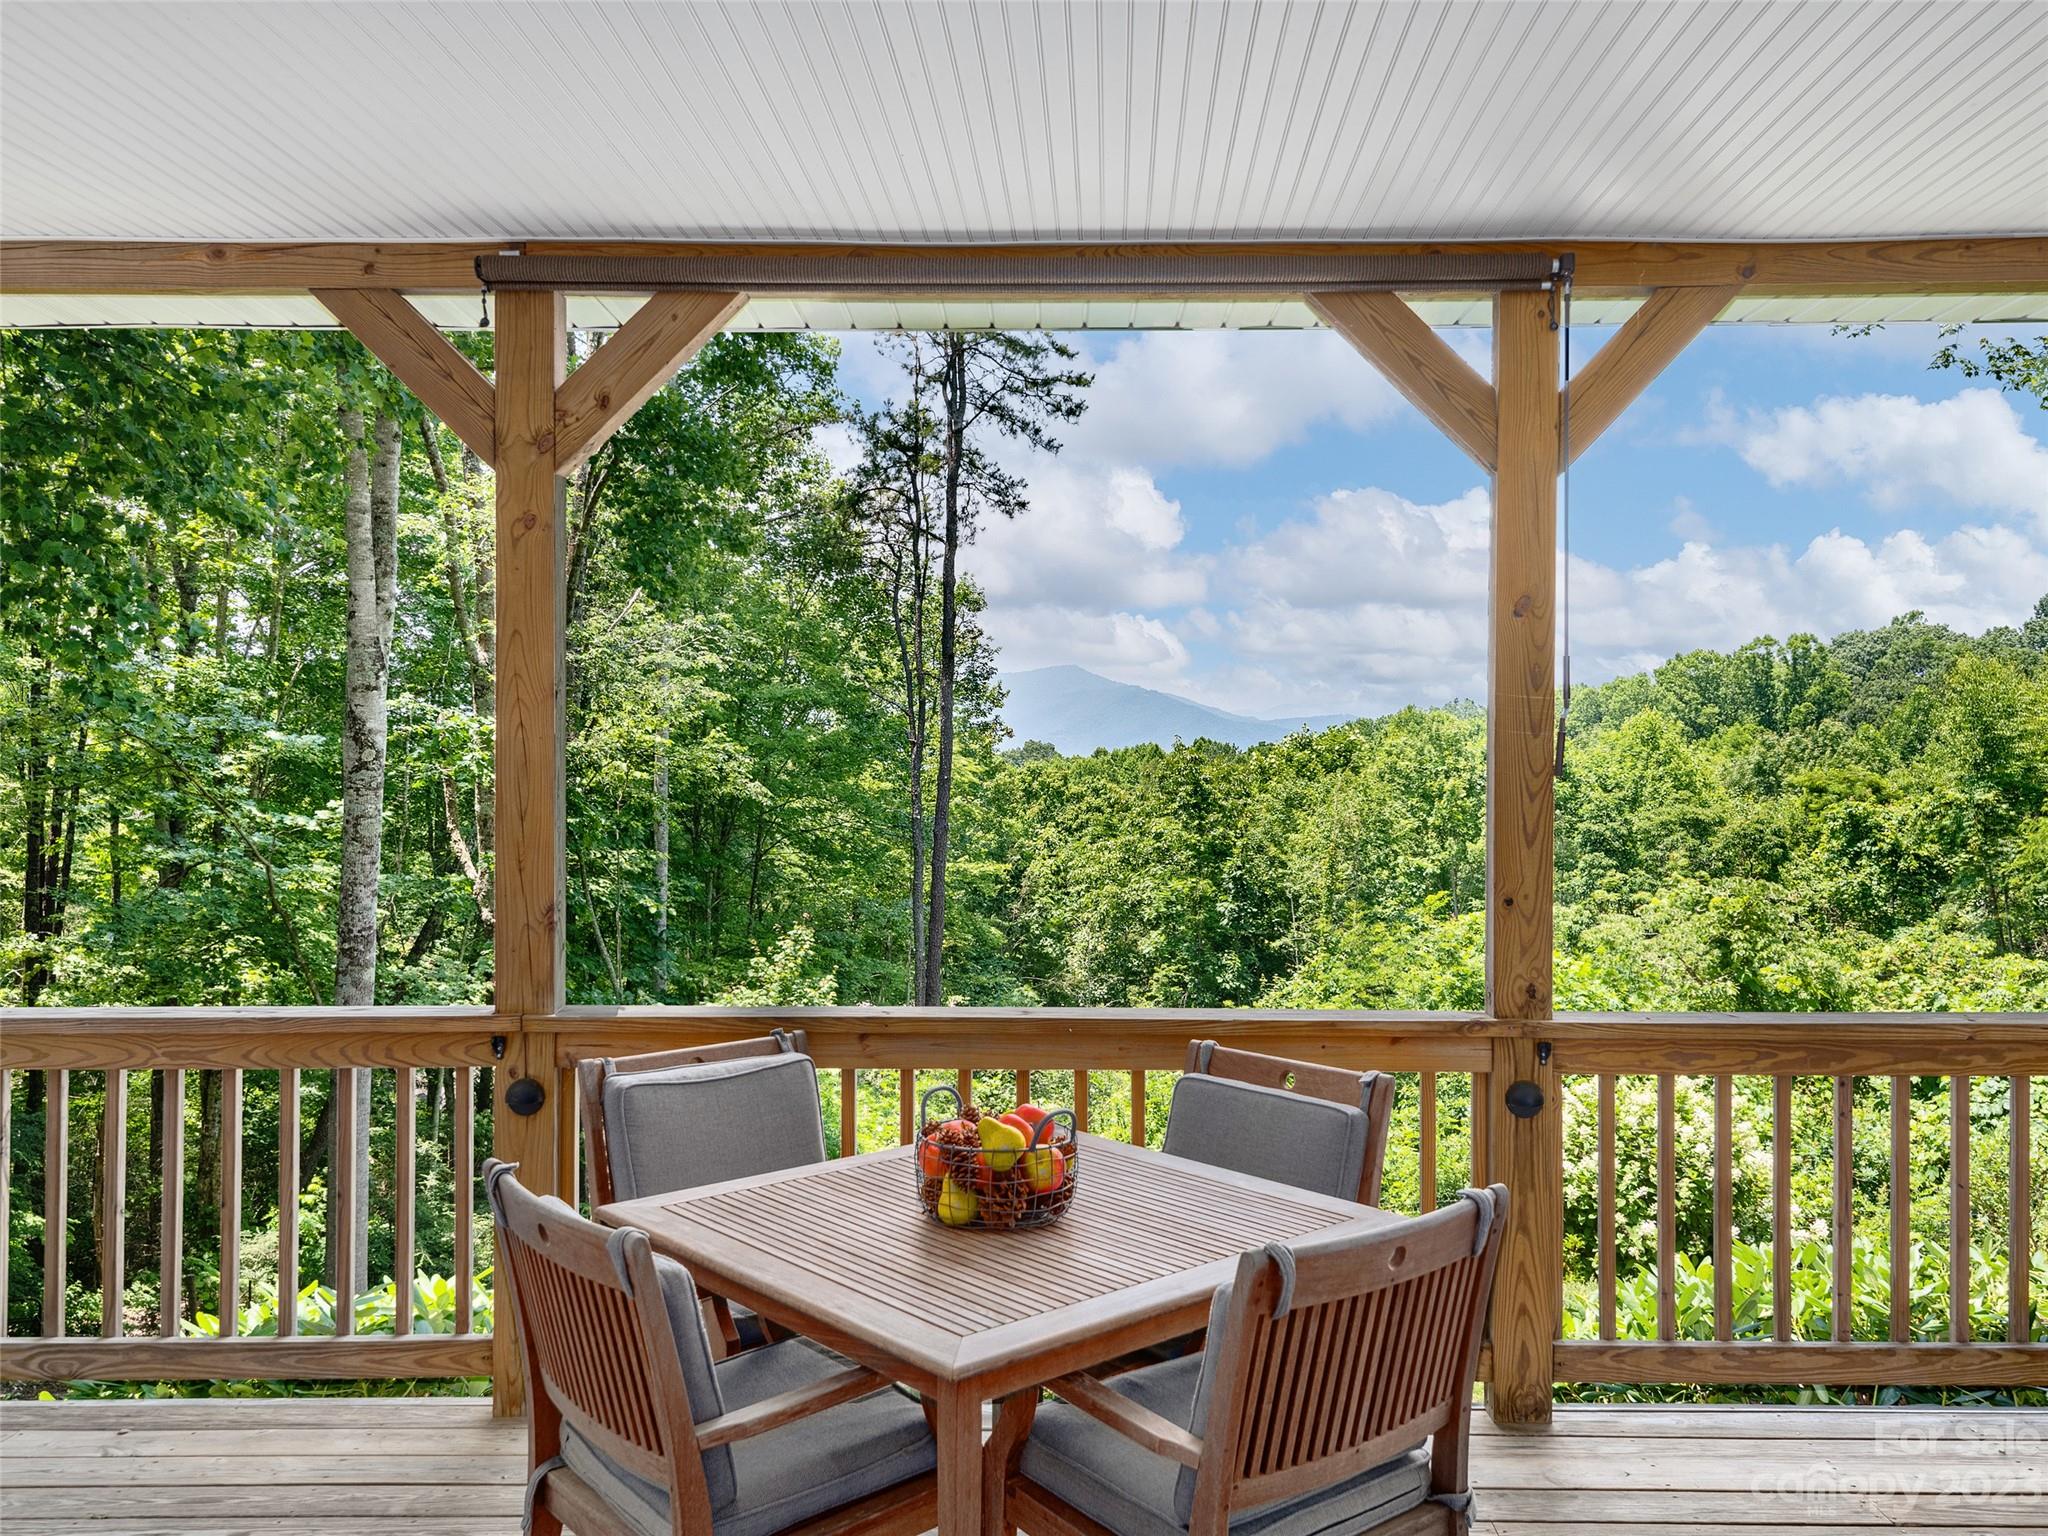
1078 711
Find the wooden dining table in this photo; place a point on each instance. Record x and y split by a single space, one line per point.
842 1253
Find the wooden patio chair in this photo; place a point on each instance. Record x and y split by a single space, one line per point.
1315 1127
635 1431
679 1119
1330 1363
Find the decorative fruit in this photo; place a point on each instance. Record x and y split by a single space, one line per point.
1017 1120
1046 1168
1000 1142
956 1205
931 1158
1031 1114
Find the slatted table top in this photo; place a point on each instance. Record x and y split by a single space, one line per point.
842 1251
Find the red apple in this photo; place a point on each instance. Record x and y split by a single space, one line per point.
1017 1119
1031 1114
1046 1168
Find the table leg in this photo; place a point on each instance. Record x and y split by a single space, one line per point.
1005 1445
959 1436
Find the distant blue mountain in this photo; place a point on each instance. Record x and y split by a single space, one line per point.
1077 711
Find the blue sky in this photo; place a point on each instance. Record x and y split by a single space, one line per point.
1257 521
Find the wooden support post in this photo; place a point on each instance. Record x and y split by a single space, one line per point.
1526 1153
532 341
531 337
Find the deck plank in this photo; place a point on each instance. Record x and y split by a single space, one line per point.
444 1467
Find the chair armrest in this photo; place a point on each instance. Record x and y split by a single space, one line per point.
1134 1421
787 1407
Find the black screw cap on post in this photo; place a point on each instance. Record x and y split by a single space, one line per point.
1524 1100
524 1096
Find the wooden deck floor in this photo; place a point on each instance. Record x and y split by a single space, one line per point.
446 1468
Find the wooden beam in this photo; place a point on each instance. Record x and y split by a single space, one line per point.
1417 362
1521 659
197 1359
1605 268
1524 1152
532 337
1643 348
424 361
661 336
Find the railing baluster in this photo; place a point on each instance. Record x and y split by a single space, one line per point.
230 1303
1138 1109
1478 1123
346 1200
1606 1260
113 1202
1667 1208
402 1160
2019 1326
1959 1209
287 1202
465 1194
6 1176
56 1196
1844 1235
906 1106
1902 1209
1024 1086
568 1140
1425 1173
1724 1207
1081 1098
170 1231
849 1118
1781 1208
963 1080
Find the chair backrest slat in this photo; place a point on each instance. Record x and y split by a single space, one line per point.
599 1344
1374 1352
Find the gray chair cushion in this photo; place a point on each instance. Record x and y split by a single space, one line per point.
700 1376
1268 1132
688 1126
1135 1493
790 1474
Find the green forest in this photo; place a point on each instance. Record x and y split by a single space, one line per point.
246 673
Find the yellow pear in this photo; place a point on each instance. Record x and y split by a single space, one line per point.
957 1206
1000 1143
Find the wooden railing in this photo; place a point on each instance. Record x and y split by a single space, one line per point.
1454 1116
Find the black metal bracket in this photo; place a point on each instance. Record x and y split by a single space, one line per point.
497 1047
1524 1100
525 1095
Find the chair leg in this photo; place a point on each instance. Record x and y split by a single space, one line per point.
1000 1457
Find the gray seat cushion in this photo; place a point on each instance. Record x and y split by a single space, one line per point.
790 1474
1268 1132
688 1126
1135 1493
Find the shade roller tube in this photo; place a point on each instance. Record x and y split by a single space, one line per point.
1112 270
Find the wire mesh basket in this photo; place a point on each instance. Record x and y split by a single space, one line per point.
962 1181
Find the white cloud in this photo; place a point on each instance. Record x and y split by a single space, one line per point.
836 441
1164 398
1130 647
1093 537
1969 450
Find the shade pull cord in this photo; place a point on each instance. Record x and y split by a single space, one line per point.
1564 405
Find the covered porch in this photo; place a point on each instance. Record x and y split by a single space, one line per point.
1954 231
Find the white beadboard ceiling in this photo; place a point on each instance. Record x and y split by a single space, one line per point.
1794 119
1052 120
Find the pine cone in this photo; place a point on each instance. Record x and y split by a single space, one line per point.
1005 1198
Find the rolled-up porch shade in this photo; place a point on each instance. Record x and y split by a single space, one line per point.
1120 270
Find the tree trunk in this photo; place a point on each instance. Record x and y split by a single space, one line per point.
955 395
371 514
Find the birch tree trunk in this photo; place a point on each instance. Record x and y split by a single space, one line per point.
370 511
954 393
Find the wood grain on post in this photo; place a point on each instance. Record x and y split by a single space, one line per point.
1606 1262
1667 1208
170 1264
1525 1154
346 1200
1959 1209
2020 1223
849 1113
1425 1172
402 1175
531 339
1724 1206
464 1180
1844 1235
